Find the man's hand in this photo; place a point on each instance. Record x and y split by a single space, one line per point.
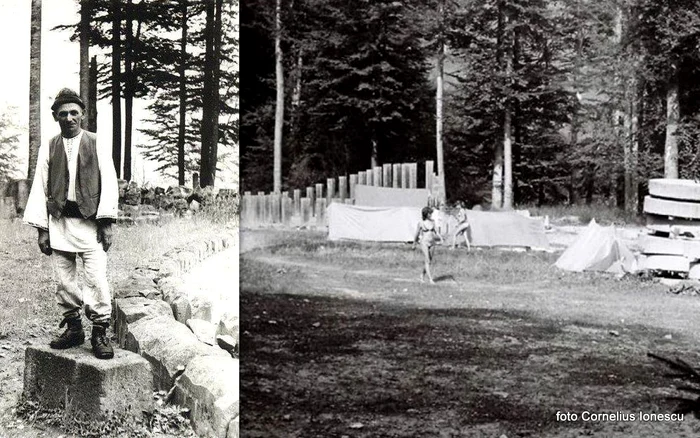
44 243
104 235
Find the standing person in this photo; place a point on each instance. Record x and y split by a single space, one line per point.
426 235
462 226
72 204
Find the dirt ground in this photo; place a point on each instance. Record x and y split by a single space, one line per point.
342 341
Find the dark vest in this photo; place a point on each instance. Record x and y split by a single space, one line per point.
87 178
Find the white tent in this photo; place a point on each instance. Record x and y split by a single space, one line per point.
597 249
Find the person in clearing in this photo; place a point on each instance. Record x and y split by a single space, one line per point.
426 235
462 226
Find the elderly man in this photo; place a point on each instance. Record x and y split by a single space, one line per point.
73 203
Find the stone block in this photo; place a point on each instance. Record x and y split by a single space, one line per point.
205 331
200 250
136 285
666 207
209 387
82 385
677 226
665 263
665 246
227 343
228 325
147 220
182 309
234 428
168 268
201 307
168 346
129 310
171 288
681 189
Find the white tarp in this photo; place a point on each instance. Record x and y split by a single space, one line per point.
500 228
371 196
597 249
378 224
398 224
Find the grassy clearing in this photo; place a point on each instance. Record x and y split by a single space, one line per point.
494 266
27 299
342 339
603 214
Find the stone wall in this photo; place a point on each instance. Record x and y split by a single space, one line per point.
196 363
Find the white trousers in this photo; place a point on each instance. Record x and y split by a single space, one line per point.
95 294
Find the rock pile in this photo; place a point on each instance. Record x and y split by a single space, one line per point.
152 205
191 358
672 211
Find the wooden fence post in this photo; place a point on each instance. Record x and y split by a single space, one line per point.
404 176
343 187
353 183
413 175
370 177
330 186
377 178
297 202
386 177
306 211
312 198
396 176
429 168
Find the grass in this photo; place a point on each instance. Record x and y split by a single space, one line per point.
342 333
27 299
484 265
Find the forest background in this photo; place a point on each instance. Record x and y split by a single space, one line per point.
171 65
545 101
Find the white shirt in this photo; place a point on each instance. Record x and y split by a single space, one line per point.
67 233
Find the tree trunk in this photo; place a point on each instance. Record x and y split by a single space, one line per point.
210 99
497 181
183 96
85 57
507 138
279 108
34 88
672 117
92 96
507 161
128 88
632 149
497 185
116 88
374 160
439 102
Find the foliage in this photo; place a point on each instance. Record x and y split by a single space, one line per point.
585 82
155 55
165 419
8 146
362 84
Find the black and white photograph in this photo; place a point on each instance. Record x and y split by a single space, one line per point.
469 218
119 218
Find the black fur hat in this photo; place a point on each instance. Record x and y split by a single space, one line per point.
66 95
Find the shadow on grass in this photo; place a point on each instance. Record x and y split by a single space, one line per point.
310 366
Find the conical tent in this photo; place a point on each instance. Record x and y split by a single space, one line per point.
597 249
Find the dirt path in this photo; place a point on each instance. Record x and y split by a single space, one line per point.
358 350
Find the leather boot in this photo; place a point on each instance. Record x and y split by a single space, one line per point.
74 334
101 346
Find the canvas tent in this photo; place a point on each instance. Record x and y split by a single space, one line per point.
597 249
